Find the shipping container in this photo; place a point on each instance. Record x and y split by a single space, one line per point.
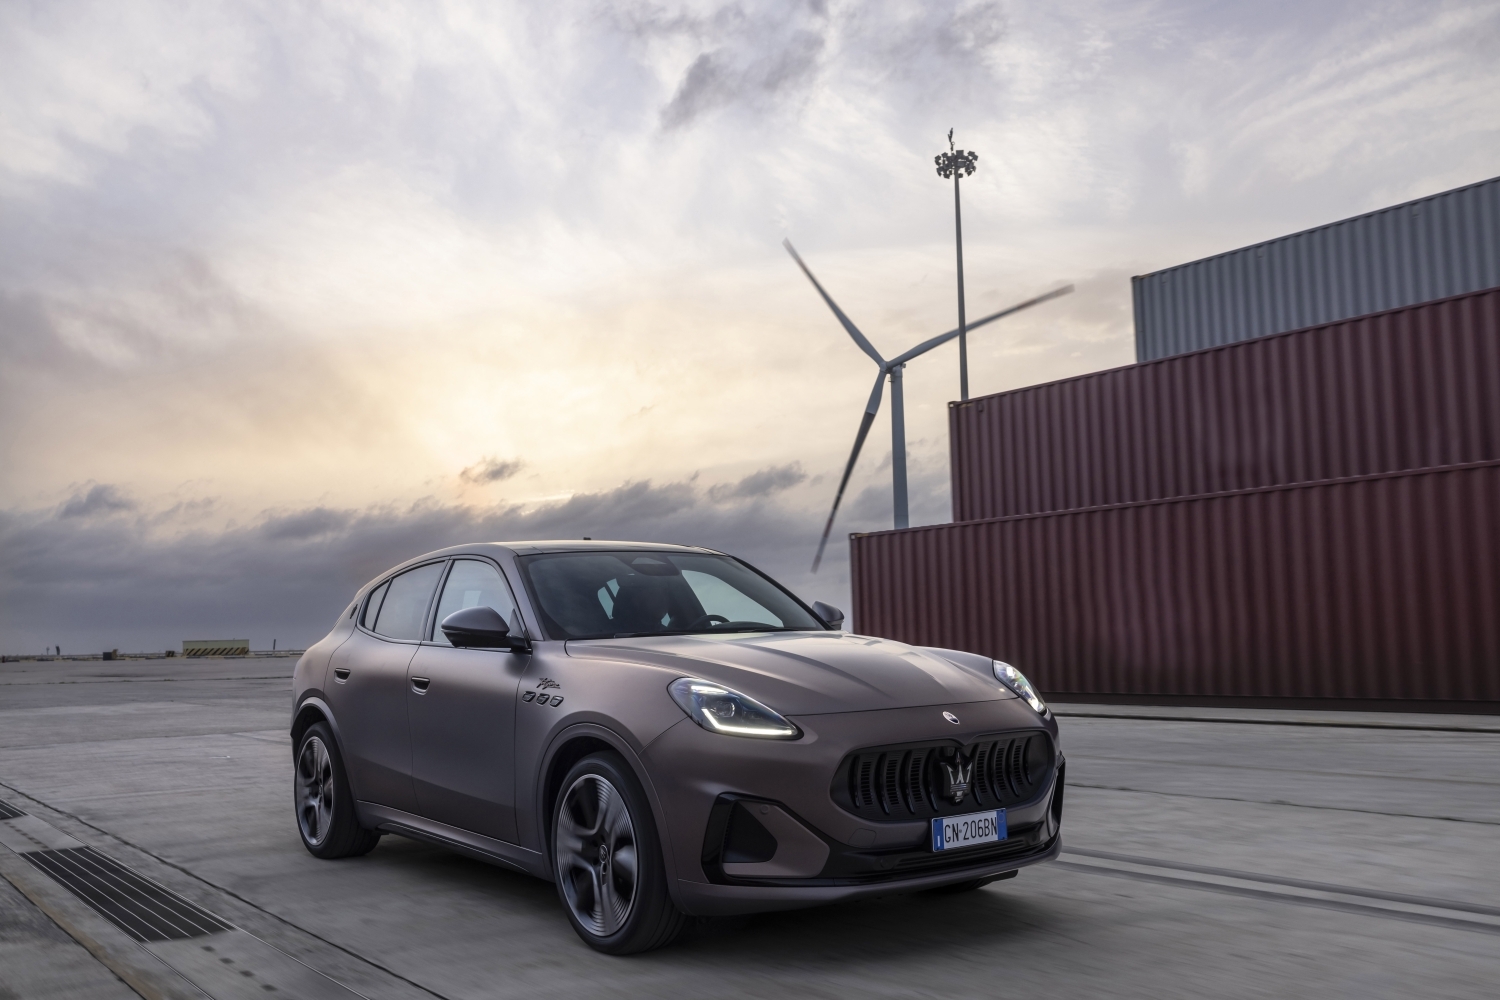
1370 587
1442 245
1410 388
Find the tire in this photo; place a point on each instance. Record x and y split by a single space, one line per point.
607 860
323 803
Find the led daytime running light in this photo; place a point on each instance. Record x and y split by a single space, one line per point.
723 710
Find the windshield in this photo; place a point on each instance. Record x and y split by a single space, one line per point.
600 595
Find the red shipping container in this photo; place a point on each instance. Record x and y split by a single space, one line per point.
1411 388
1382 586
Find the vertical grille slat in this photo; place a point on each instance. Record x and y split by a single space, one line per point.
981 771
995 773
890 776
915 762
862 775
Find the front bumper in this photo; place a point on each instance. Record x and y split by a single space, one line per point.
840 855
705 899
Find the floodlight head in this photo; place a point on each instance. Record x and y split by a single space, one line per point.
961 162
956 161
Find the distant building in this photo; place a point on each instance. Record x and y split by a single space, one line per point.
215 647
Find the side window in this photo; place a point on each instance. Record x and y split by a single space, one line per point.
472 584
372 606
404 610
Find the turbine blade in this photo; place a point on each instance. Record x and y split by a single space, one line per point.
871 408
849 327
943 338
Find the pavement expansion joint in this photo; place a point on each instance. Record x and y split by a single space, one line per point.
1285 803
219 959
1274 888
1484 724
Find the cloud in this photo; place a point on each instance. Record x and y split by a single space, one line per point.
761 483
491 470
303 525
717 79
144 579
100 499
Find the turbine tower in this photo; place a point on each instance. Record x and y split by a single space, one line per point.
891 369
959 163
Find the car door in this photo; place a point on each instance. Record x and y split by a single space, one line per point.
462 710
368 693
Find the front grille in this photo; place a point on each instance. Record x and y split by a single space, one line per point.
914 780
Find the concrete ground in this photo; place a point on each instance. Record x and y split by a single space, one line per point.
1225 854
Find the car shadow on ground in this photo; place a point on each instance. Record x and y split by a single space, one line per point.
890 927
884 926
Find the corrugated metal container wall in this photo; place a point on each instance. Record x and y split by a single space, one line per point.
1377 587
1411 388
1431 248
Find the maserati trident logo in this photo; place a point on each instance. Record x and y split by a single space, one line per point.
959 774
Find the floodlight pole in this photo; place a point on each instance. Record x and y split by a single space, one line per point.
959 163
898 449
963 327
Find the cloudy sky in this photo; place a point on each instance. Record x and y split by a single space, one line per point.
290 292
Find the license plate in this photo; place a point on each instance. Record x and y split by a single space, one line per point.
986 827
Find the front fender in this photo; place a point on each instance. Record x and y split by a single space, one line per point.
542 814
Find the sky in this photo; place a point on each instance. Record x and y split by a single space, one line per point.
292 292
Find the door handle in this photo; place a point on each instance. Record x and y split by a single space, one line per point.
342 673
419 684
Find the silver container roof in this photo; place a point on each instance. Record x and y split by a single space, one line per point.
1441 245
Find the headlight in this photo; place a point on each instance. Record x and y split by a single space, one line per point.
720 710
1017 682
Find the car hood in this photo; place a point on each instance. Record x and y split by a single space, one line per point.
811 673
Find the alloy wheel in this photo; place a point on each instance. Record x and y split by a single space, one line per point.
596 854
314 791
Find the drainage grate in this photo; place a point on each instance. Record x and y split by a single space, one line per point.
8 811
135 904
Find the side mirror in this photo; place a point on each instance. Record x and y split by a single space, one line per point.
480 628
832 616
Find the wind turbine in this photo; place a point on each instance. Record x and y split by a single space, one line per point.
892 369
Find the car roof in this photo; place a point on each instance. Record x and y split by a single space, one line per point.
537 547
577 545
597 545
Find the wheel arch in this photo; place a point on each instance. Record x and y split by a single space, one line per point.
568 748
314 710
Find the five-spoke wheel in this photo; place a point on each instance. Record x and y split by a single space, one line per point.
596 854
607 859
325 806
314 790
